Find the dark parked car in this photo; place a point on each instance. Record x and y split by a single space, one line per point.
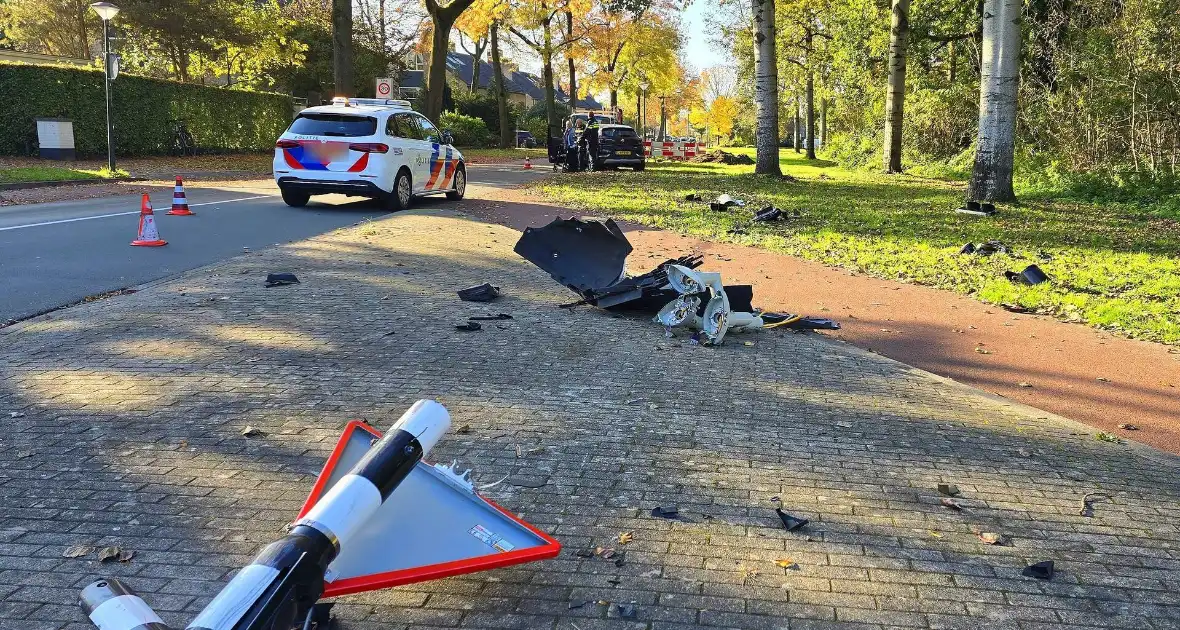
618 145
525 139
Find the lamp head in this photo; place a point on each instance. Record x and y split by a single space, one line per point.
687 281
680 312
105 10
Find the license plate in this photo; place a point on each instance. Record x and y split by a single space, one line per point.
622 153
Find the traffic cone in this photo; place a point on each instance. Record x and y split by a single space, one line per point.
149 236
528 162
179 201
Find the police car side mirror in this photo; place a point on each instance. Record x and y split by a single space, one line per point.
447 138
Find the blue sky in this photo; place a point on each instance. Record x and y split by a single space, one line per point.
698 49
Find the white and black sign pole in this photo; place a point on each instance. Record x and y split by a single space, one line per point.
107 11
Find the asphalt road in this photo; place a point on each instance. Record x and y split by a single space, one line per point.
55 254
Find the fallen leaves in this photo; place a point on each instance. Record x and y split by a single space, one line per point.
110 554
250 431
991 538
983 351
77 551
1129 427
951 504
626 537
1024 384
787 563
1103 436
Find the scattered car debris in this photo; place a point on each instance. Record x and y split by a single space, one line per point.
280 279
790 523
1103 379
250 431
15 414
1129 427
948 489
1013 308
490 318
670 512
1087 503
621 559
110 554
625 611
24 454
469 326
724 202
798 322
952 504
1024 384
977 209
1041 570
991 538
968 248
986 248
77 551
769 213
1030 275
479 293
576 605
694 197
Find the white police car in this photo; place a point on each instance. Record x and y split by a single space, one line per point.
377 148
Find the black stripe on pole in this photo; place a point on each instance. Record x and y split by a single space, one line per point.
389 461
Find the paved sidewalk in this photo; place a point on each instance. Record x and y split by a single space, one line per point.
133 406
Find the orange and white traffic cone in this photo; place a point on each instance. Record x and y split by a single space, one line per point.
528 162
179 201
148 236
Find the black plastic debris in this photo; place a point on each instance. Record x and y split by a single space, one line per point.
1041 570
948 489
724 202
280 279
479 293
694 197
670 512
977 209
582 255
791 523
769 213
1044 256
490 318
1031 275
626 611
968 248
991 247
469 326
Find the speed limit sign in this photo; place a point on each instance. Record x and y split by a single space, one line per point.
384 87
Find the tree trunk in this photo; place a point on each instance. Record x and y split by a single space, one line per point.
795 127
569 58
83 40
899 34
547 72
507 133
479 48
823 122
342 47
614 99
381 26
436 76
810 108
991 177
765 88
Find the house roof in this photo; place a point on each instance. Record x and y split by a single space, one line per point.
462 66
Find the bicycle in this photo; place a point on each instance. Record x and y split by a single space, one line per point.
182 142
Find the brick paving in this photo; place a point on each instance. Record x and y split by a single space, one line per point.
123 417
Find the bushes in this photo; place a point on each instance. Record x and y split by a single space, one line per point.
219 118
468 131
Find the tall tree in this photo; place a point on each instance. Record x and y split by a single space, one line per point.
765 88
991 175
53 27
533 22
178 30
569 59
507 133
342 47
809 45
899 33
442 18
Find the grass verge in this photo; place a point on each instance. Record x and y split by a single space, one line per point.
1113 266
54 174
501 156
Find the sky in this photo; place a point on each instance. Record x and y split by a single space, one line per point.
698 49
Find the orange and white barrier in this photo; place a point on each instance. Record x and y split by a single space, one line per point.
180 201
678 150
148 235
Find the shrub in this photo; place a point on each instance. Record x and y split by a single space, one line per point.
142 108
468 131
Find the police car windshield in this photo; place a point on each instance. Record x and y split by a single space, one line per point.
334 125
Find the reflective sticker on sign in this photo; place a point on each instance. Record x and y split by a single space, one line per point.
490 539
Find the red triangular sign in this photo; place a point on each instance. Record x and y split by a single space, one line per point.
433 526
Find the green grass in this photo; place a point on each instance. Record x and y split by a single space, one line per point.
1113 266
53 174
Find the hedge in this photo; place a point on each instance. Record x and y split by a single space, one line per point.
220 119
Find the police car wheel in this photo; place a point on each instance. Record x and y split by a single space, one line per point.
402 193
295 198
460 185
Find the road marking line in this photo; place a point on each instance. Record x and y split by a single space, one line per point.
120 214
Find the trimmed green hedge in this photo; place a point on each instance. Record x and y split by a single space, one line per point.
220 119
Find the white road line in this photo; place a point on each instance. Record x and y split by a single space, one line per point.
120 214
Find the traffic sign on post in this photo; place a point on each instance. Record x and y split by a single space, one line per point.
384 88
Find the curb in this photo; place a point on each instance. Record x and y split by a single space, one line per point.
67 182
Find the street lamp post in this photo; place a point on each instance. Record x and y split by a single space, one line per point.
107 12
663 119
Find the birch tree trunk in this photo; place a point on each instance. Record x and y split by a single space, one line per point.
765 88
899 33
569 59
810 110
991 176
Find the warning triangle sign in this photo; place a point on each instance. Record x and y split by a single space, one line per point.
433 526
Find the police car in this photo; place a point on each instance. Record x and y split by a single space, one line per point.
378 148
